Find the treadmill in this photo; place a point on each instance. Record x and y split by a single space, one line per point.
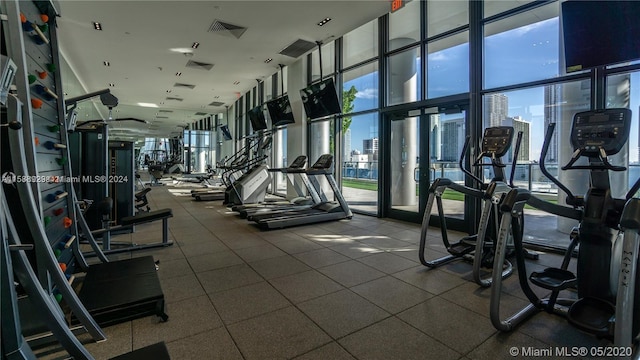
313 187
322 212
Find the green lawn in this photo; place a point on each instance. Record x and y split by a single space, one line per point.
447 195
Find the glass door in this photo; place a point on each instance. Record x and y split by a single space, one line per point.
423 146
405 180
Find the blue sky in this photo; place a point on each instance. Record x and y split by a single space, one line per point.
524 54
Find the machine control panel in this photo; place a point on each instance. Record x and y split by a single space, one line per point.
497 140
324 162
601 129
299 162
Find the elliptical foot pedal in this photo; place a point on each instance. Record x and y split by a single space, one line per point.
460 249
593 315
157 351
553 279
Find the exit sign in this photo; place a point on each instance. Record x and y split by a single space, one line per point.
396 5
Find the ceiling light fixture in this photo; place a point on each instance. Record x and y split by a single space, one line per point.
168 91
324 21
178 73
195 45
147 105
236 83
97 25
106 63
268 60
112 84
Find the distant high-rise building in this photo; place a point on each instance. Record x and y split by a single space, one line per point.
519 124
434 138
496 108
347 145
370 146
452 136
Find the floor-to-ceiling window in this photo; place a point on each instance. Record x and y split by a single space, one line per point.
359 123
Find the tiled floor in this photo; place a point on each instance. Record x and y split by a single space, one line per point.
339 290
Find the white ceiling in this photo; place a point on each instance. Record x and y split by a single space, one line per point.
138 36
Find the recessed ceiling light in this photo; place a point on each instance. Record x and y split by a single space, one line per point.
168 91
324 21
178 73
112 84
268 60
147 105
236 82
195 45
106 63
97 25
217 97
162 103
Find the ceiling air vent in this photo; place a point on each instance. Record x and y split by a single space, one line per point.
226 29
200 114
298 48
181 85
199 65
174 98
165 111
216 103
162 117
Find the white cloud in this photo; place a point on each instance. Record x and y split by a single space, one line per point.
367 93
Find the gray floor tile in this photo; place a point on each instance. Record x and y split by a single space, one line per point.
351 273
387 262
295 246
174 268
186 318
331 351
342 312
278 267
228 278
214 261
247 302
321 257
304 286
119 342
355 249
391 294
431 280
181 287
375 342
503 346
211 344
445 322
205 247
259 252
284 333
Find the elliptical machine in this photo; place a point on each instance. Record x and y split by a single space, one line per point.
476 248
608 299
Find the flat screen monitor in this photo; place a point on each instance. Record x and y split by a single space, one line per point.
599 33
320 99
280 111
257 119
226 134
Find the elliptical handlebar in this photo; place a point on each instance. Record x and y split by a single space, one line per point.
514 163
465 148
571 199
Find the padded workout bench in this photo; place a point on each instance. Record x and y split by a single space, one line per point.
115 292
130 222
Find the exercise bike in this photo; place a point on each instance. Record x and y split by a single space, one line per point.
608 299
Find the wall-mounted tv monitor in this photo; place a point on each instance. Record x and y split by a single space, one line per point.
280 111
226 134
599 33
320 99
257 119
